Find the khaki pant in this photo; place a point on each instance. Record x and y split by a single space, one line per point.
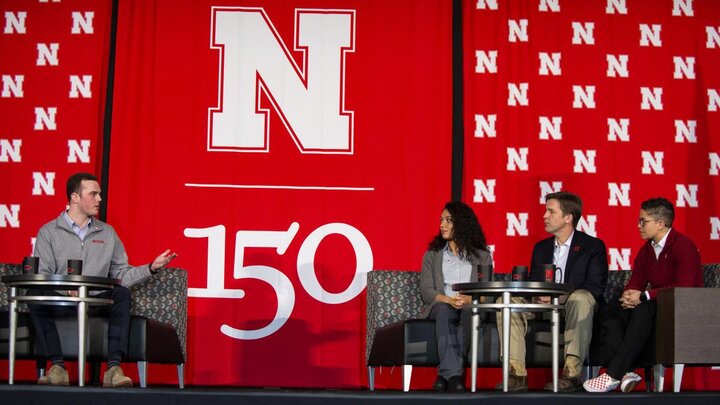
579 310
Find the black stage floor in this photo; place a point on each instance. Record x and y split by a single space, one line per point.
32 394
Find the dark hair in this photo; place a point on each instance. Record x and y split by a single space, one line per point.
74 183
569 204
660 209
467 232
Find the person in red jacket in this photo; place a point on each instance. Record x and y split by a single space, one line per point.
667 259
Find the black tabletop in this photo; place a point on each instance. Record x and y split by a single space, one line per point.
522 287
58 280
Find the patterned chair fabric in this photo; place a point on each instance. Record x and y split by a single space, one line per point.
392 296
24 339
9 269
711 273
163 297
616 284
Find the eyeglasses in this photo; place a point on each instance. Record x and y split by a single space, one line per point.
643 221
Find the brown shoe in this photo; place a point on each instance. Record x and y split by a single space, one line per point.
56 375
566 384
516 383
114 377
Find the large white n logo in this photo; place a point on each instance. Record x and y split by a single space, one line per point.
619 259
310 98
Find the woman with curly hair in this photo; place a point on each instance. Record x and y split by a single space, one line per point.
452 257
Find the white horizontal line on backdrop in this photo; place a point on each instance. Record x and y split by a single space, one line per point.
279 187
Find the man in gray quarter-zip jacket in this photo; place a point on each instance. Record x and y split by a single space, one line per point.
76 234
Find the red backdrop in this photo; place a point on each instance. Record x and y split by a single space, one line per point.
612 100
53 66
285 160
168 176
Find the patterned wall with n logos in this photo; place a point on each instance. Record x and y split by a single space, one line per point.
284 148
614 100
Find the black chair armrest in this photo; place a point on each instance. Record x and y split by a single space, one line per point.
154 342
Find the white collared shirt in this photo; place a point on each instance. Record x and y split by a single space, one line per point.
658 247
560 256
81 232
456 269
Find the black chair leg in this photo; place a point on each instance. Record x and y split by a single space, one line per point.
94 368
40 366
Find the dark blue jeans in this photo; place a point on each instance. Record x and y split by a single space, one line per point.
43 319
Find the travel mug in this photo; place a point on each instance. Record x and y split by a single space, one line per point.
549 272
74 267
30 264
485 273
519 273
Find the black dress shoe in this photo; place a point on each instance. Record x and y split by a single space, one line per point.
456 384
440 384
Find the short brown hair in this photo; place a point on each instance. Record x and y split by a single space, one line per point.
74 183
569 204
660 209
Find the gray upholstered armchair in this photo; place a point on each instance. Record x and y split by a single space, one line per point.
397 336
25 336
393 306
157 326
688 324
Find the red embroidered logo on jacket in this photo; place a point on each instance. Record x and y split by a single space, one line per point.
98 241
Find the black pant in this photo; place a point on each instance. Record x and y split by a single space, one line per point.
626 334
43 319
